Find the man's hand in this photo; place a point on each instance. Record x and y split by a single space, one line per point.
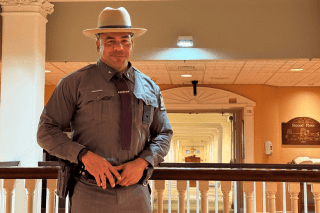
100 168
132 171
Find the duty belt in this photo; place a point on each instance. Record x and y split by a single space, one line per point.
88 176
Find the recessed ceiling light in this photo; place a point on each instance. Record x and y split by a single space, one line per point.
296 70
186 75
185 41
46 71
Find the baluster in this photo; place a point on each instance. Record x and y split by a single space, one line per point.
248 188
294 190
271 191
159 185
315 188
30 185
181 187
52 187
226 188
9 185
204 188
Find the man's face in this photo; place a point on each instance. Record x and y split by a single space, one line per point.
115 49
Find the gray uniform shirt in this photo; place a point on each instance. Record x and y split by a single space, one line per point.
88 100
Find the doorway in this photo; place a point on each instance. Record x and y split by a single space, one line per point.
216 126
208 136
211 101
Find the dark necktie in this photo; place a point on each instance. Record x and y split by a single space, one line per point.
126 118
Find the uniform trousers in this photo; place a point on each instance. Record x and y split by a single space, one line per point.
89 198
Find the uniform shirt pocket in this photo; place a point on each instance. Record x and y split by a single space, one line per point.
98 104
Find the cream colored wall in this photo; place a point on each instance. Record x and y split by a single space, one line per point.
298 102
232 29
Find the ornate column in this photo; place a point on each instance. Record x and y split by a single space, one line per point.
249 133
22 78
22 86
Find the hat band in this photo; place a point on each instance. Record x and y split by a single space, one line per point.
115 26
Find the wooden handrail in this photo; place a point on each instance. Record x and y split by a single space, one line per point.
9 163
242 165
174 173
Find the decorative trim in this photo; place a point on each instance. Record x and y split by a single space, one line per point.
45 6
207 98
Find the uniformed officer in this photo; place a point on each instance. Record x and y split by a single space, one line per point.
119 125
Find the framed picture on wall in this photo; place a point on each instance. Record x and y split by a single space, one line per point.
301 131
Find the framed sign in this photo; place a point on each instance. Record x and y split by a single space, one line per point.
301 131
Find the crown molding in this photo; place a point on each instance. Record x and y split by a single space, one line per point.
44 7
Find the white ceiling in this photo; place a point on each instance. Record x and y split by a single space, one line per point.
274 72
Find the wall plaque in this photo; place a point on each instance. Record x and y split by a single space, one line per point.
301 131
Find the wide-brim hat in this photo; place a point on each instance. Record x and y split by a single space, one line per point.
114 20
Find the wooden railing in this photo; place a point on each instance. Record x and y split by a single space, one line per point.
204 172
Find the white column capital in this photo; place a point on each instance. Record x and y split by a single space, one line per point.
44 7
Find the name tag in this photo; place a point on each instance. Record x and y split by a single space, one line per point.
99 90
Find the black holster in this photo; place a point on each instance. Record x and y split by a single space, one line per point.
68 175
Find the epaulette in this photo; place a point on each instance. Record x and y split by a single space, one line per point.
87 67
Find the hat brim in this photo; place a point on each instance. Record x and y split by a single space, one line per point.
91 33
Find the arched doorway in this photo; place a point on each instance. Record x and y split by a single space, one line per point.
209 100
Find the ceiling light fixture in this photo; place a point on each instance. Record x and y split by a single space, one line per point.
296 70
185 41
186 75
47 71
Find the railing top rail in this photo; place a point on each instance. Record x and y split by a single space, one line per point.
241 165
165 173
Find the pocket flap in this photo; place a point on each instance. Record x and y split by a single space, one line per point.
91 95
